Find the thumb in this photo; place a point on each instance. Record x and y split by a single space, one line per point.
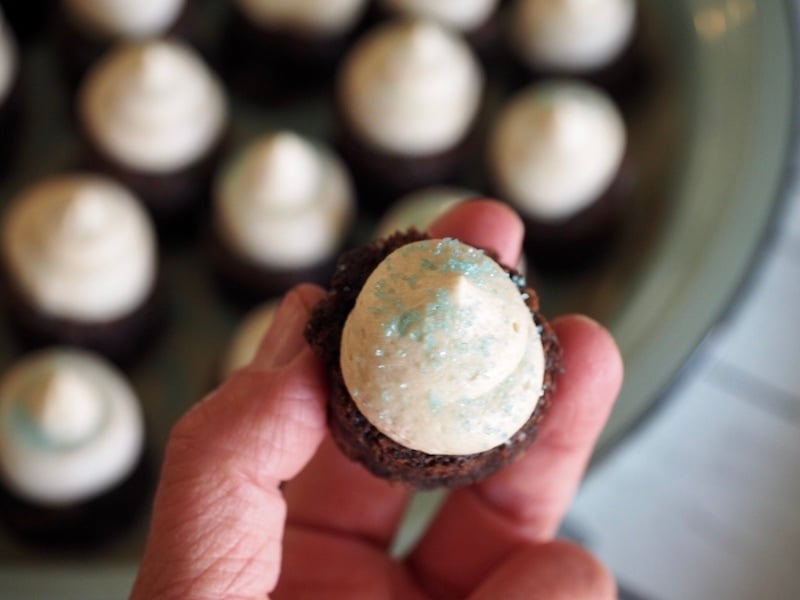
218 517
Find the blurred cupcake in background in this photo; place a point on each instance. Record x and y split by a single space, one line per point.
420 208
80 266
10 102
87 29
276 49
408 99
283 209
72 462
558 155
154 117
246 339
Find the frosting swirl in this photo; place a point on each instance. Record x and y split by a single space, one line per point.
80 247
153 106
411 87
70 426
440 352
463 15
126 19
285 202
323 16
556 148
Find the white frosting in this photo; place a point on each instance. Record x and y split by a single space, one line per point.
411 87
8 59
464 15
284 202
248 336
325 16
80 247
126 19
153 106
421 208
440 352
556 148
572 35
70 427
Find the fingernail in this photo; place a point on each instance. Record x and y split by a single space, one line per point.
285 339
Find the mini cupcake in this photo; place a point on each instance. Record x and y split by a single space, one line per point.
79 259
247 337
593 40
283 208
87 29
477 20
154 117
558 156
277 48
9 94
440 365
408 100
420 208
72 461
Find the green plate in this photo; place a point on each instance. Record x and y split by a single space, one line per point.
712 145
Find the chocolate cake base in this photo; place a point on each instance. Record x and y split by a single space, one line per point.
82 524
357 437
79 47
246 283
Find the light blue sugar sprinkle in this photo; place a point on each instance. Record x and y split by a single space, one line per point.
386 396
403 386
525 295
435 402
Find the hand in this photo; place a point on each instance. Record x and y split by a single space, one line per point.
224 527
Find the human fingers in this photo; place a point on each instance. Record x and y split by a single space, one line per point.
366 506
218 517
556 570
526 501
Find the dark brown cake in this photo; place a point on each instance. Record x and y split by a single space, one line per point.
357 437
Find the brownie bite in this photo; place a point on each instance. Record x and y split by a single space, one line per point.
441 366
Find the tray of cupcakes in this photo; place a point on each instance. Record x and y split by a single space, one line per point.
170 168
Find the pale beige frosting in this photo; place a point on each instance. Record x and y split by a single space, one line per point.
556 147
572 35
153 106
70 426
440 352
411 87
463 15
284 202
80 247
248 335
324 16
126 19
420 209
8 59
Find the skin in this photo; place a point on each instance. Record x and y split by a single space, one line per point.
224 526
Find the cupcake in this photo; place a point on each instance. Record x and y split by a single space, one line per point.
154 117
87 29
277 49
283 208
593 40
440 365
79 262
247 337
9 93
408 99
72 466
477 20
557 154
420 208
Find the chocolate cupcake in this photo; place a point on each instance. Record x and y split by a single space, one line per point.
154 117
72 461
441 367
87 29
558 155
593 40
277 49
283 208
245 340
408 99
478 20
420 208
79 263
10 104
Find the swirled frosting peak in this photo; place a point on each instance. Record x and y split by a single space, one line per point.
411 87
284 202
153 106
440 352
